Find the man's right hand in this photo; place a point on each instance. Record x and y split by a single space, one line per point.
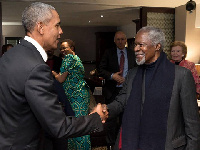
101 109
118 78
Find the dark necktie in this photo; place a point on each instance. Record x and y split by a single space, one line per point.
121 66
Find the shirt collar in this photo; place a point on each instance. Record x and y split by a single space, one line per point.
119 50
38 47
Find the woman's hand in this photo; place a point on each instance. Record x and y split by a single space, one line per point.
69 51
60 77
55 74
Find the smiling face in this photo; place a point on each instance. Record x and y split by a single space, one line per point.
66 49
145 52
52 32
177 53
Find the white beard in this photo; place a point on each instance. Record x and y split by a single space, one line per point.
141 62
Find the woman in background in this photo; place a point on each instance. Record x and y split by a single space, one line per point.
76 89
177 54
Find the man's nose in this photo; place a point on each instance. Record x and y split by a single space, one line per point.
136 48
60 31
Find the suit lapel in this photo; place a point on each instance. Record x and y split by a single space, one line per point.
130 78
115 59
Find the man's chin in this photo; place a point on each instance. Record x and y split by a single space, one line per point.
140 62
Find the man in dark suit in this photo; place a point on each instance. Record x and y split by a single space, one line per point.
27 97
114 73
158 100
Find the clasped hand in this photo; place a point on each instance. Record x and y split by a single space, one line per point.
101 109
117 77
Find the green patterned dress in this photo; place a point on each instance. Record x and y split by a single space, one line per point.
77 92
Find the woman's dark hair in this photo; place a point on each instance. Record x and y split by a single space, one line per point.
70 43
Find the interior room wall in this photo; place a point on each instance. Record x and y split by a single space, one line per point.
129 30
185 31
12 31
84 38
180 23
192 38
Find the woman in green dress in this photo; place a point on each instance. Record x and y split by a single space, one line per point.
72 77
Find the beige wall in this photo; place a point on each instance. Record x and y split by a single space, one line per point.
180 23
185 31
192 38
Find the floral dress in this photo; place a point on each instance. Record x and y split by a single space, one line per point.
77 92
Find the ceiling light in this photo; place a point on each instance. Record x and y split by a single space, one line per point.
11 23
101 16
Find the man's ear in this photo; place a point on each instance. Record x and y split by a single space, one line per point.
40 27
158 46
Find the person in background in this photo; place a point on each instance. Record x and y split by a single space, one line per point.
113 67
28 101
77 91
53 61
158 99
6 47
177 54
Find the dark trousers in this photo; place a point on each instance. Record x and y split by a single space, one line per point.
49 143
112 125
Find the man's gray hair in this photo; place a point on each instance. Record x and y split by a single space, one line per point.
34 13
155 35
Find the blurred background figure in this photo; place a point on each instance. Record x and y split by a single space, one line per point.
50 143
177 54
6 47
77 91
53 61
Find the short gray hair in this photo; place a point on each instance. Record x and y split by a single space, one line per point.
155 35
36 12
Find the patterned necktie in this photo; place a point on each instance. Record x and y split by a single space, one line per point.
121 66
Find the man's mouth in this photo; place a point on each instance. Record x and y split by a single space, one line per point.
139 54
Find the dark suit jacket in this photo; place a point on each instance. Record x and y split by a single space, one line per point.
62 98
108 65
183 125
28 102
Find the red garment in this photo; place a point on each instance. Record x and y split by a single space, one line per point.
191 66
50 63
120 139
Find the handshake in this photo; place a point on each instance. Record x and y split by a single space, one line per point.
102 110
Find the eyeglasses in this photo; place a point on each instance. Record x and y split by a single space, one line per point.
63 48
